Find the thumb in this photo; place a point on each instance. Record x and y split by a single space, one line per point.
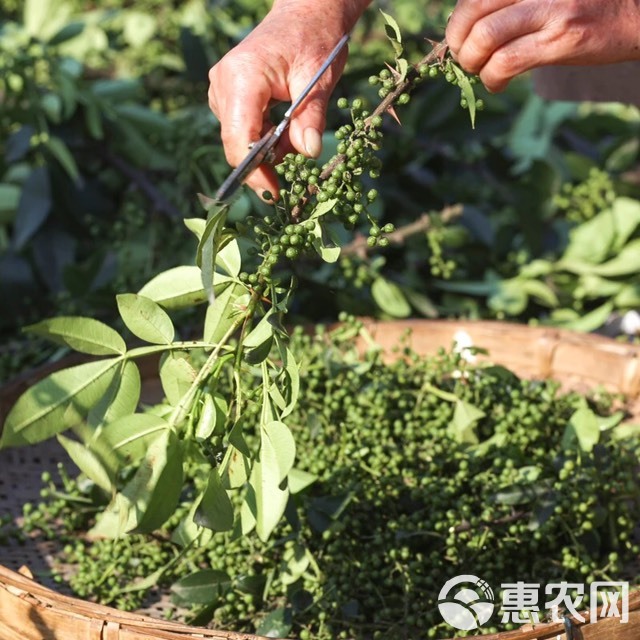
309 119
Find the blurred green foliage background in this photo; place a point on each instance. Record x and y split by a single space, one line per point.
106 137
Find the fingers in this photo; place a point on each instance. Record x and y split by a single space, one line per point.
240 93
239 100
500 39
263 179
518 56
309 119
466 15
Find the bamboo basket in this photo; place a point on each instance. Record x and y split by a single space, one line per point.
32 610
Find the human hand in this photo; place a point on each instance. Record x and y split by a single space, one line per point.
500 39
275 63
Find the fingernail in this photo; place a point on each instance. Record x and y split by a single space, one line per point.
312 142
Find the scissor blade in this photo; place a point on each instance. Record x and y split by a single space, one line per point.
259 151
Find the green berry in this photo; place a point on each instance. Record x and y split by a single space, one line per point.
292 253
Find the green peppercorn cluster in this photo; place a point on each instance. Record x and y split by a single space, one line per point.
342 186
400 504
388 80
581 202
343 178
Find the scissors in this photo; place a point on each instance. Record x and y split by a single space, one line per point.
261 149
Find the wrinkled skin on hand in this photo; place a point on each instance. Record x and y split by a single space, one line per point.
499 39
275 63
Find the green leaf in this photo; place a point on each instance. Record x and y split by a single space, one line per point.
196 226
326 248
236 438
393 33
299 480
89 463
295 562
323 208
9 199
276 624
145 120
270 498
187 532
93 120
118 90
466 89
58 402
270 493
626 217
541 291
258 342
154 491
592 240
590 321
68 32
291 372
277 443
625 263
402 67
213 416
138 27
520 494
44 18
462 427
131 436
145 318
605 423
85 335
215 510
178 288
593 286
33 208
583 427
532 135
623 157
628 297
201 588
420 302
229 259
210 242
120 399
176 375
389 297
61 153
51 105
238 468
509 297
227 307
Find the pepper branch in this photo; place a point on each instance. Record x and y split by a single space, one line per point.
436 54
359 247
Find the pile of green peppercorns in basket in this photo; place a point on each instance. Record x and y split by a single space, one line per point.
417 471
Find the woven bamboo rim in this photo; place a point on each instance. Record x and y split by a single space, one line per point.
31 611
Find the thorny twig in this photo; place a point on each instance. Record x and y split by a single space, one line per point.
359 247
436 54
